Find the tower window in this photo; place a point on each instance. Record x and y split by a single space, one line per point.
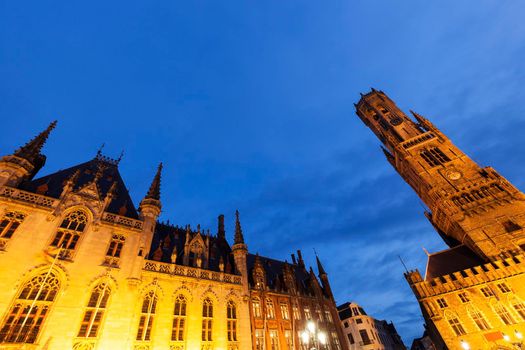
434 156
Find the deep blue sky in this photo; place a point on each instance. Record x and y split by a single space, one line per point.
249 105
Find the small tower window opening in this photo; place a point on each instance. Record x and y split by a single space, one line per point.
511 226
207 320
95 310
504 314
179 319
232 321
456 326
69 233
256 306
9 224
285 313
147 316
28 313
434 156
270 310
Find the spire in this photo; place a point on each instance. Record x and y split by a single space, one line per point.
31 150
319 266
221 233
239 239
154 189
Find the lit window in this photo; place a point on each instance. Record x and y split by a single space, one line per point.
69 233
259 339
147 316
319 314
434 156
350 338
28 312
442 303
288 338
274 340
232 321
207 318
256 306
179 319
456 326
504 314
328 316
503 287
519 307
478 319
285 314
270 311
464 297
113 253
307 313
296 313
8 226
487 292
95 311
335 341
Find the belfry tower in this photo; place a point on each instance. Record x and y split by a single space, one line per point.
467 204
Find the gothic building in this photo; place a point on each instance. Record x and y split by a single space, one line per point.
81 267
471 294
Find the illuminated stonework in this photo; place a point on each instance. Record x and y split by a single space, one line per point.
81 268
472 294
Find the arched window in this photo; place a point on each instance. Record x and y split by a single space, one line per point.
28 313
478 318
519 306
270 310
454 323
95 311
207 318
285 314
8 226
69 233
256 305
113 253
147 317
232 321
504 314
179 319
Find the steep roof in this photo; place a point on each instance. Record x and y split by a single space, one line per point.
52 185
451 260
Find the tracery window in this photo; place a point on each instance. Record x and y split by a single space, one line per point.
95 311
270 310
179 319
8 226
434 156
115 248
285 313
147 316
504 314
69 233
478 318
296 313
256 306
232 321
519 306
207 320
28 313
454 323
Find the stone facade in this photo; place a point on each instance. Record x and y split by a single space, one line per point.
472 294
81 268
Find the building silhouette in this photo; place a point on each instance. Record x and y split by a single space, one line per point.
81 267
471 294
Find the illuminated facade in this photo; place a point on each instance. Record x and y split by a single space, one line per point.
472 294
81 268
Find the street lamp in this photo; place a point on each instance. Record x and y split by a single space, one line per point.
313 336
517 344
465 345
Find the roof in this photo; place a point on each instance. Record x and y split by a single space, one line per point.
168 239
451 260
52 185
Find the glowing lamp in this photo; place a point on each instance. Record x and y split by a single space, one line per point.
465 345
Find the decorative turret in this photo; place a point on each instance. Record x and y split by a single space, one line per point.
240 253
323 276
25 162
221 233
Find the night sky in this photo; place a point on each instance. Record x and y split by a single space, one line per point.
249 104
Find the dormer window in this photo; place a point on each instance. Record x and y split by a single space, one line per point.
69 232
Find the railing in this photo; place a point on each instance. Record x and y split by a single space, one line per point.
28 197
121 220
417 140
111 261
179 270
176 345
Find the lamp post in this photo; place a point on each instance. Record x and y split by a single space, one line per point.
518 344
465 345
313 337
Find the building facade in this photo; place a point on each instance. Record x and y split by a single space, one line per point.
82 268
471 295
364 332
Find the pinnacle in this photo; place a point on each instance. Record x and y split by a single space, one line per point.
154 189
239 238
31 150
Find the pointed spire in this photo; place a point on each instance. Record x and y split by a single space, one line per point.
31 150
221 232
154 189
239 238
319 266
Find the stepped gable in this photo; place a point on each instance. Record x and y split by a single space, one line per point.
275 272
52 185
173 239
451 260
